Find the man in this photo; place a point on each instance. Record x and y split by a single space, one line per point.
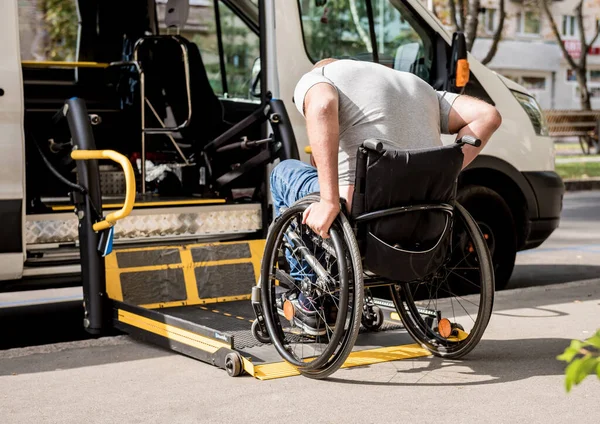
346 102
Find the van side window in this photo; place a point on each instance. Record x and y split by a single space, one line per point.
240 48
336 28
401 41
340 28
48 30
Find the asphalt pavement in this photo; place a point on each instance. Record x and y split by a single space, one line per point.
511 377
572 253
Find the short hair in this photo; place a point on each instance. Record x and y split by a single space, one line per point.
324 62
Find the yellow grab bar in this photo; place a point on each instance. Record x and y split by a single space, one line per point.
112 217
308 150
62 64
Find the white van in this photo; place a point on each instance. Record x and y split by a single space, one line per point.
200 88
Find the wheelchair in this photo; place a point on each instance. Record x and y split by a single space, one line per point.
406 232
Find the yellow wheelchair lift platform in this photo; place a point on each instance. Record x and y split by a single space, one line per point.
195 299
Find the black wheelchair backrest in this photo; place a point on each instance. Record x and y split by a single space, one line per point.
402 204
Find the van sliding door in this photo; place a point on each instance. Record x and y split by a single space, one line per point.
11 146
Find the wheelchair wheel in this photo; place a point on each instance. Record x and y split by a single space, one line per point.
311 292
434 312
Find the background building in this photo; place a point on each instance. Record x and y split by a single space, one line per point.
529 54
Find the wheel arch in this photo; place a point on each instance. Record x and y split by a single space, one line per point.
510 184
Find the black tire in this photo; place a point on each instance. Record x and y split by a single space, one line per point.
233 364
376 323
337 343
497 224
258 334
445 302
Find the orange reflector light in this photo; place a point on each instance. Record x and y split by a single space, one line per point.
462 72
445 327
288 310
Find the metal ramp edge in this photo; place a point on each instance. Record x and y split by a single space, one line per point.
212 346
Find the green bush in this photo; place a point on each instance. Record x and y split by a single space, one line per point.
583 358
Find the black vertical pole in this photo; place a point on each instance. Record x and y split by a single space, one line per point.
89 210
372 31
221 50
264 60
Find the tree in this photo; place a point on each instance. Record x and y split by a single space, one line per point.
463 15
580 67
56 30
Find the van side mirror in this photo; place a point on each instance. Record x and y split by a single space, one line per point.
458 72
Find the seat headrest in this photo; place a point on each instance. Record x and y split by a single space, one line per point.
176 13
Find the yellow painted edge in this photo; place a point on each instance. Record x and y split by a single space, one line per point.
248 366
206 301
63 64
172 333
355 359
113 272
113 278
181 265
148 204
189 276
257 249
191 246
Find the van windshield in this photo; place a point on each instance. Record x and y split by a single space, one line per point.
341 29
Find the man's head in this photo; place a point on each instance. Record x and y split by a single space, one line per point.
323 62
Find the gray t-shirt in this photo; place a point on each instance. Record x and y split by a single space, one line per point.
375 101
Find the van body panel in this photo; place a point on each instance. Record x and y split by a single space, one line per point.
291 56
515 150
485 162
549 188
271 42
12 146
515 141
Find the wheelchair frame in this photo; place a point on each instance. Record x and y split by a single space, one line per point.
326 366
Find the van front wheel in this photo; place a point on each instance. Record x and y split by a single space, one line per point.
494 218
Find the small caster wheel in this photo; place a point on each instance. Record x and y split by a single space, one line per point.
233 364
376 321
457 325
258 334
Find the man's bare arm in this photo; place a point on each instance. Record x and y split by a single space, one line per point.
321 112
471 116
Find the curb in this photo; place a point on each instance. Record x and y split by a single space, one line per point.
579 184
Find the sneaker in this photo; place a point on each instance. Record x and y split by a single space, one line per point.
294 306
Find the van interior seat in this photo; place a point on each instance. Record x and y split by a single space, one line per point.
114 94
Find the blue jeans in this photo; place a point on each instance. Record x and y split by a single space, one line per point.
291 180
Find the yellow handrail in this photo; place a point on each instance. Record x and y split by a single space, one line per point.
113 217
62 64
308 150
